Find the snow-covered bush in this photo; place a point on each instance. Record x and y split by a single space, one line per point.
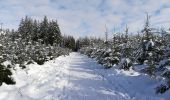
167 49
99 55
110 61
20 52
148 45
166 86
142 57
163 70
147 49
162 89
125 63
109 58
149 70
105 57
5 73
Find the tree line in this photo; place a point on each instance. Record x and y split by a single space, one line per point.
46 32
150 48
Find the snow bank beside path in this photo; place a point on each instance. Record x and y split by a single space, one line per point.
136 85
36 82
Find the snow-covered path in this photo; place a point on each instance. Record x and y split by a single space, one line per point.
84 83
77 77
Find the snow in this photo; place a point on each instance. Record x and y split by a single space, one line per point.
168 48
2 33
77 77
150 43
125 60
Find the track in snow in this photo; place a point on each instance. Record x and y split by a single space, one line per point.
82 82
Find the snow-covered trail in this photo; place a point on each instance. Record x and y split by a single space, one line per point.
67 78
84 83
77 77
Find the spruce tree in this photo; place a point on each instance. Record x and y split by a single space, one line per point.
43 31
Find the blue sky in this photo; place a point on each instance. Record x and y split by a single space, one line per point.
88 17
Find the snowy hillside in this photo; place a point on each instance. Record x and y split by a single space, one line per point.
77 77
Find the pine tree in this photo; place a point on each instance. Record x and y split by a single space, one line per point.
126 51
35 35
5 73
43 31
54 33
26 29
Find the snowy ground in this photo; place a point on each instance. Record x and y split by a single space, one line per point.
77 77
